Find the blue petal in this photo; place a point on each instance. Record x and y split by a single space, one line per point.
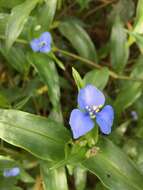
80 123
90 96
46 36
35 45
105 119
11 172
45 49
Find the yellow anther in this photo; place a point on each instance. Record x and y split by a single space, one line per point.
42 90
97 110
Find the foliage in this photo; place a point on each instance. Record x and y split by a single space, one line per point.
89 43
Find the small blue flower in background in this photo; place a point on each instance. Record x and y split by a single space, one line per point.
11 172
134 115
42 44
90 101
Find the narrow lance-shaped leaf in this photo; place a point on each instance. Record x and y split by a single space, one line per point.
47 70
119 48
17 20
98 78
47 13
138 26
120 9
77 78
131 90
4 102
79 39
80 175
3 21
54 179
15 58
128 94
9 3
38 135
6 162
113 168
49 75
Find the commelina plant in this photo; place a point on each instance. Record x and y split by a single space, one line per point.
90 100
49 50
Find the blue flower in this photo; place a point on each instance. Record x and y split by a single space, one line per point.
11 172
134 115
91 101
42 44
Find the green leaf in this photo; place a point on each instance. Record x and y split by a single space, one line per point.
79 39
98 78
38 135
9 3
119 48
15 58
47 13
138 27
131 90
99 186
77 78
16 188
120 9
54 179
6 162
48 73
8 183
128 94
20 104
114 168
139 40
25 177
83 3
4 102
3 20
17 20
137 70
47 70
80 175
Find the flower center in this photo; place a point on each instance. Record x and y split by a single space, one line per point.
92 110
42 44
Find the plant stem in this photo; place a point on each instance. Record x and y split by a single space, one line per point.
93 64
21 41
84 60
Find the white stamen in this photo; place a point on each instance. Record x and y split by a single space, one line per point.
94 108
43 43
87 107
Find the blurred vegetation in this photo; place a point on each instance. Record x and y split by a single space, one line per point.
95 41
